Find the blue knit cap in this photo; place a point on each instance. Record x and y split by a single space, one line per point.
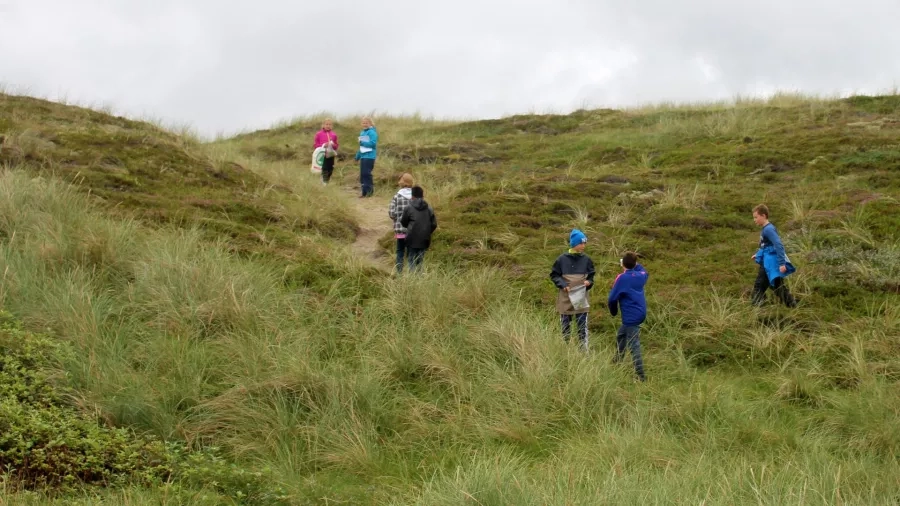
576 237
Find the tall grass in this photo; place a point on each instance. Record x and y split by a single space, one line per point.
445 388
682 196
454 386
308 200
779 99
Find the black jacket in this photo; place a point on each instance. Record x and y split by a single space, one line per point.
571 270
572 263
419 221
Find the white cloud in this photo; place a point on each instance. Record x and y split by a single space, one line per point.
226 65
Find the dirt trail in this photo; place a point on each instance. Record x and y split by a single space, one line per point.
374 224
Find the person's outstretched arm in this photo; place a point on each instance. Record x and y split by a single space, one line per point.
612 302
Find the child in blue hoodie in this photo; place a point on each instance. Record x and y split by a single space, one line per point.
628 293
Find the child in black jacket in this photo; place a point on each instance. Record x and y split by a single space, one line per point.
420 222
573 273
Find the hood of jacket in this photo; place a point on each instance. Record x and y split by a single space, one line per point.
405 192
419 204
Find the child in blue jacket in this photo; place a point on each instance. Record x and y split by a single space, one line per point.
774 265
628 294
366 154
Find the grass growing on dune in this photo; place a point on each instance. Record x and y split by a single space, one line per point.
454 387
444 384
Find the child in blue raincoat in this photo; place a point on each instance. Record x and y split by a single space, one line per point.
774 264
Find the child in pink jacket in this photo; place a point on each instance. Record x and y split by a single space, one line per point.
326 137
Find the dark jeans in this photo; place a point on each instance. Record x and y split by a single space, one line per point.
401 251
415 256
581 321
630 336
762 284
327 169
366 183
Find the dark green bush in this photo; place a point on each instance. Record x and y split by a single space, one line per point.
45 442
208 469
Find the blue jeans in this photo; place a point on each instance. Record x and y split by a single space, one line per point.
366 183
401 251
581 321
415 256
630 336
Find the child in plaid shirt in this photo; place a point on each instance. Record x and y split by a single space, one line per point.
395 211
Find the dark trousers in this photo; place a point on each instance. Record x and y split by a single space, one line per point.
762 284
581 321
415 256
401 252
629 336
366 183
327 169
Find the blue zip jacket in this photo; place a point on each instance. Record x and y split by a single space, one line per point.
628 292
771 254
372 143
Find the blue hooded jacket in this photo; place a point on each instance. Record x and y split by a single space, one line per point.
771 254
371 143
628 292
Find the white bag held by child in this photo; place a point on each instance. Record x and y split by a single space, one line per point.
318 159
329 149
579 298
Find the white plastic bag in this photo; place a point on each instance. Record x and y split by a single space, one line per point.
318 159
579 298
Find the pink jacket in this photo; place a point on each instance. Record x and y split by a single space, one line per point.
322 137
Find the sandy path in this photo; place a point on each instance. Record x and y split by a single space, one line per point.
374 224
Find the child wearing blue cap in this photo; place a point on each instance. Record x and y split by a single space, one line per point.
573 273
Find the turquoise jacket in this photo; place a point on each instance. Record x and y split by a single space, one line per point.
371 143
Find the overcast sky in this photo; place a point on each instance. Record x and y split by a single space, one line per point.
226 65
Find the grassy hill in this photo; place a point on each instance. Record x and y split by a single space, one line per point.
206 296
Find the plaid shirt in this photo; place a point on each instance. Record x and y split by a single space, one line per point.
395 211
